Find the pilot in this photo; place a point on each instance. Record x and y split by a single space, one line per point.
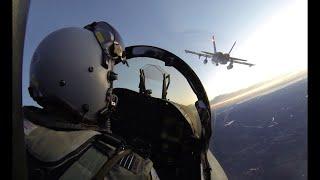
70 136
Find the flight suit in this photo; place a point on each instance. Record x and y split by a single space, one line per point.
81 155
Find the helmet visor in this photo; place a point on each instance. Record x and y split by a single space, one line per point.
109 40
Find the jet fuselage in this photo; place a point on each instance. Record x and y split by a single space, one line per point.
220 58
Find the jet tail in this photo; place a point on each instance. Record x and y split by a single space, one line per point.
214 44
232 47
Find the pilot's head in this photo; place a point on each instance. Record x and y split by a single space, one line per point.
71 70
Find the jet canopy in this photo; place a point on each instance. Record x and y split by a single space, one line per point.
160 74
163 103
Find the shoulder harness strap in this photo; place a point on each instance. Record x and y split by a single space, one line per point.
105 152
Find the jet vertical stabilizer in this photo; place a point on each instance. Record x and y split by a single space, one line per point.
214 44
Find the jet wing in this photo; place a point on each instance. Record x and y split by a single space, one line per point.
199 54
208 52
249 64
237 59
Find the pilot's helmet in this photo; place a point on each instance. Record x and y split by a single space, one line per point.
70 69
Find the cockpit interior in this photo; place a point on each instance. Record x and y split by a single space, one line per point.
157 129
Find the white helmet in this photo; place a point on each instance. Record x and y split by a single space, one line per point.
72 69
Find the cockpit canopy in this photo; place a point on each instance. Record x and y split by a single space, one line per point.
150 77
163 102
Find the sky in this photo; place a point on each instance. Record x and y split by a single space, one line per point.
271 34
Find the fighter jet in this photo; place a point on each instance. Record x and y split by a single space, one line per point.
220 57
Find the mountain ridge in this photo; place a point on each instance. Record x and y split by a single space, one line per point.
258 89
